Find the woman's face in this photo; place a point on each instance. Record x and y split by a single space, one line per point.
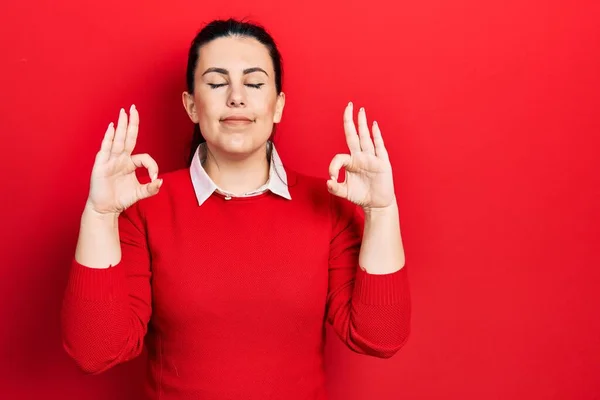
235 99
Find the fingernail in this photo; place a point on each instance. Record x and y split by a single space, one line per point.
350 104
375 123
132 107
362 109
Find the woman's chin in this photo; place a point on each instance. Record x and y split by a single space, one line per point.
237 145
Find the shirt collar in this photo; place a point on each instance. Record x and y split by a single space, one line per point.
204 185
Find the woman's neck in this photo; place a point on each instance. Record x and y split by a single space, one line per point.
238 176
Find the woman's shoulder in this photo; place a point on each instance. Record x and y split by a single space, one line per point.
176 187
175 181
309 189
305 182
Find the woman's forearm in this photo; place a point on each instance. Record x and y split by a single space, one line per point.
382 251
98 243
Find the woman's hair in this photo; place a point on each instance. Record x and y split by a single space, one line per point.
228 28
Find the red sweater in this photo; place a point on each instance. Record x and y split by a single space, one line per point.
231 297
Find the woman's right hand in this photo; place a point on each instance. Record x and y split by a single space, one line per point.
114 185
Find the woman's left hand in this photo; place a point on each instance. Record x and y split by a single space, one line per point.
369 182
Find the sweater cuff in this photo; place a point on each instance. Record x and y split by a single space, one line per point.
97 284
375 289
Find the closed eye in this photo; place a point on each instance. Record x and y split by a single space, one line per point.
252 85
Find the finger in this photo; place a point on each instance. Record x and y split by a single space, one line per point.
366 144
380 149
119 141
104 152
350 130
144 160
150 189
132 129
338 161
338 189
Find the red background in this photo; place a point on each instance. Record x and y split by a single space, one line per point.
490 114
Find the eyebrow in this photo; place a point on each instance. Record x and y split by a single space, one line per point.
223 71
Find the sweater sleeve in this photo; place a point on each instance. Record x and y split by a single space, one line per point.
105 312
370 313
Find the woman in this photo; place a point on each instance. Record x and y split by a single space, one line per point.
228 269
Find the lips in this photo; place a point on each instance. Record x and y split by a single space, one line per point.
237 118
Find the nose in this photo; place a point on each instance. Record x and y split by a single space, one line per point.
237 96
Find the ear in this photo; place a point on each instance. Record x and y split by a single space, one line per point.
279 107
190 106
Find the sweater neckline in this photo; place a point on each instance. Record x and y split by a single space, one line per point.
234 199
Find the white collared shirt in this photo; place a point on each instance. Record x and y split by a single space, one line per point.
204 185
